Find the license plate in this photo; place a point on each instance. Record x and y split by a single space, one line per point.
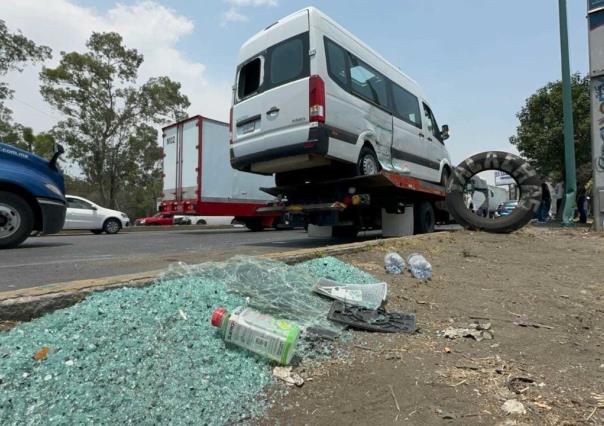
248 127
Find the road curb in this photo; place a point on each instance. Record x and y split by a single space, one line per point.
26 304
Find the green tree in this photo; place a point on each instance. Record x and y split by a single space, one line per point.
540 134
109 117
16 50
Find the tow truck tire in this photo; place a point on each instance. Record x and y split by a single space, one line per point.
344 231
424 218
112 226
527 179
254 224
14 211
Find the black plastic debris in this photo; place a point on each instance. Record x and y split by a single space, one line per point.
371 319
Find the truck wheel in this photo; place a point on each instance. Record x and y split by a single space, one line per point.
344 231
254 224
112 226
424 218
525 176
368 163
16 220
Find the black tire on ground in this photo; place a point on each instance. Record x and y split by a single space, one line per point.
344 231
112 226
201 222
16 220
424 218
96 231
368 163
525 176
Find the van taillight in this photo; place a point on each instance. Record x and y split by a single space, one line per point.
316 99
231 125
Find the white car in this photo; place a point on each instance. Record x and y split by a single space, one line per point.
84 214
311 100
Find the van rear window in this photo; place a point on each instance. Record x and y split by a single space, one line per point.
249 78
282 63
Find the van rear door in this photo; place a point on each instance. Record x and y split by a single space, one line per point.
271 93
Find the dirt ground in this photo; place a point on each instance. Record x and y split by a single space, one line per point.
554 367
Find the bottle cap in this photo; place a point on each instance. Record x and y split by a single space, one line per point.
217 316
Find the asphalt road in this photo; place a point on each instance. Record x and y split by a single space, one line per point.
53 259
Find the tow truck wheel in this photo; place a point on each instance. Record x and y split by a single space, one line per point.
16 220
424 218
368 163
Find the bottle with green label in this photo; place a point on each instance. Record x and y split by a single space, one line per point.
260 333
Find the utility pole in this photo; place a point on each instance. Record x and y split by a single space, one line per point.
595 9
570 181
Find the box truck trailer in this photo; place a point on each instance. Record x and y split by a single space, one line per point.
198 178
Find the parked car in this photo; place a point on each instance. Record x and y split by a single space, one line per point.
84 214
309 98
507 208
157 219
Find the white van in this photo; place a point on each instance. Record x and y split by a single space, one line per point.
309 98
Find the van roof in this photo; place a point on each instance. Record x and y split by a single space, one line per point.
313 11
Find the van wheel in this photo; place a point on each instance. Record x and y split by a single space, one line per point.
16 220
368 163
424 218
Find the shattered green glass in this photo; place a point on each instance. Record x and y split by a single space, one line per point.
150 356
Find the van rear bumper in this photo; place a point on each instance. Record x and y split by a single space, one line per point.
53 215
317 143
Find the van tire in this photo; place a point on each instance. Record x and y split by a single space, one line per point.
368 163
18 208
424 218
528 183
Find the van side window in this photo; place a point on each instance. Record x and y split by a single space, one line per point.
287 62
336 63
432 125
368 83
249 78
406 106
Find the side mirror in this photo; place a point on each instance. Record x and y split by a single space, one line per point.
445 132
58 150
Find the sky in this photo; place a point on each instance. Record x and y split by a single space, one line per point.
477 60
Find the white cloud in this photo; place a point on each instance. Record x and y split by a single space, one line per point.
234 13
151 28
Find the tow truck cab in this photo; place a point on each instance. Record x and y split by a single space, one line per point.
32 195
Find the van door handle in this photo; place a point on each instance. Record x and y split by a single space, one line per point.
430 139
421 135
273 110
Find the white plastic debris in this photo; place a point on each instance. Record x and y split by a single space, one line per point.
394 263
513 406
289 377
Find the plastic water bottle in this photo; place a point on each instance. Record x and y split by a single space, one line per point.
419 266
394 263
257 332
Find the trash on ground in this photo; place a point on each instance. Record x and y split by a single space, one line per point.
371 319
257 332
513 406
289 377
519 384
136 360
367 295
524 321
419 267
394 263
475 330
41 354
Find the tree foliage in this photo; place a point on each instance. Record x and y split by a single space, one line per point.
109 116
16 50
540 134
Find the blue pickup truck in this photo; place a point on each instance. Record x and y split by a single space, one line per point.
32 195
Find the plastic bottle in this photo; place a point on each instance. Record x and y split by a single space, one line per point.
260 333
394 263
419 266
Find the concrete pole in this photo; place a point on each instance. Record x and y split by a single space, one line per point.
595 18
570 181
